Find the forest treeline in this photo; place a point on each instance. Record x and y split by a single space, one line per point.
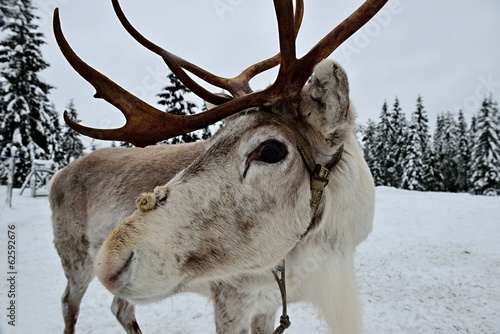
457 157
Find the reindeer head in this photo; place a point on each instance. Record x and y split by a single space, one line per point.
244 204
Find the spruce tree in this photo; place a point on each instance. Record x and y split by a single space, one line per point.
209 131
370 140
415 163
422 124
172 97
433 178
382 148
125 144
464 152
446 150
485 179
6 8
397 143
26 115
71 144
55 138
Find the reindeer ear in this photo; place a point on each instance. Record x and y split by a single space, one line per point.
325 102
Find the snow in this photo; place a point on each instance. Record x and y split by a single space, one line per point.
431 265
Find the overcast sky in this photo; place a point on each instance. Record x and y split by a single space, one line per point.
448 51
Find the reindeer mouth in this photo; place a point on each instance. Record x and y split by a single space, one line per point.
116 281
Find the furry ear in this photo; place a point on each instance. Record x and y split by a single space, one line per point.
325 102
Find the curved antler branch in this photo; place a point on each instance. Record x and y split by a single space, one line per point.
337 36
287 36
237 86
145 124
148 125
269 63
175 63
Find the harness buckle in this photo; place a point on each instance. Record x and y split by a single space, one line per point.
319 179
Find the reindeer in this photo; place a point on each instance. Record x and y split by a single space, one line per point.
283 184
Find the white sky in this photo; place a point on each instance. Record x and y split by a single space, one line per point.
446 50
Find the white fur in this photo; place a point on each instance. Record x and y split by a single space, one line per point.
221 224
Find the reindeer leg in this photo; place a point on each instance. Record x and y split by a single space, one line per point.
125 313
230 315
239 311
263 323
78 282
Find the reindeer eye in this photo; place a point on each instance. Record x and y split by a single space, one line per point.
271 151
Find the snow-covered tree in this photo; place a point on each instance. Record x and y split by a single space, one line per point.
382 148
397 143
446 150
172 97
125 144
93 146
464 154
26 115
415 162
71 144
55 139
6 7
433 177
485 179
370 140
422 124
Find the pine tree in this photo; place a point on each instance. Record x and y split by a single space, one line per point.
172 97
54 139
209 131
382 148
93 146
422 124
26 116
433 178
485 179
446 150
415 163
397 142
71 144
6 8
464 152
370 140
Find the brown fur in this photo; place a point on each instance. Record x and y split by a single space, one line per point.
80 193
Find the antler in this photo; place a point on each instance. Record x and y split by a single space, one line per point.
237 86
147 125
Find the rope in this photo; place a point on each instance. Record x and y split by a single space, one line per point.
319 180
284 319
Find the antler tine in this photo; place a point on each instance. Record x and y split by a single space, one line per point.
175 63
337 36
237 86
145 124
284 15
269 63
286 85
294 72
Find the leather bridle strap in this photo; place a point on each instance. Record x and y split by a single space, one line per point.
319 180
319 173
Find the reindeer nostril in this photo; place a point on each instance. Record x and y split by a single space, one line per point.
146 202
161 193
112 279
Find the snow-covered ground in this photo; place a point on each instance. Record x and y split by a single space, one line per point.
431 265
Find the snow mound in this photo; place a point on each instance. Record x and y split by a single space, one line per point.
431 265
